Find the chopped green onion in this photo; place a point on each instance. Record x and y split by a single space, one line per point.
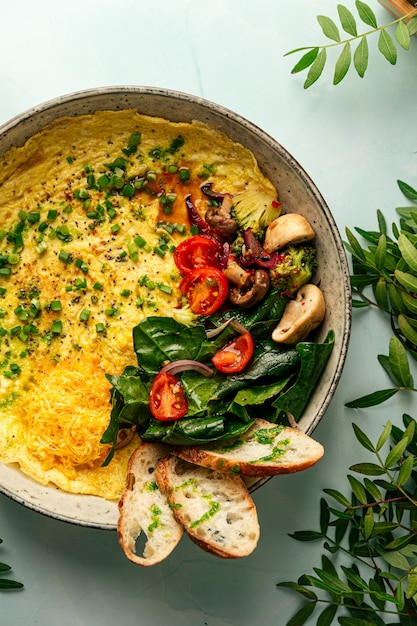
80 284
159 251
52 213
65 256
115 228
41 247
5 271
13 259
98 286
56 328
184 174
84 315
165 288
42 227
125 293
2 291
56 305
100 327
33 217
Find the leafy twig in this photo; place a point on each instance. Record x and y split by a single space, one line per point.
315 57
6 583
376 529
385 276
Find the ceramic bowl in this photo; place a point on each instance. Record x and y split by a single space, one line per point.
297 193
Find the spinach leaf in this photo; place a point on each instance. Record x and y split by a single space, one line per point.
196 430
160 339
314 357
270 308
268 360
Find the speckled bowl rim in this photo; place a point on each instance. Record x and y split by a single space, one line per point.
91 511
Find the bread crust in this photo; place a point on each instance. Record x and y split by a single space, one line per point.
215 509
266 449
144 509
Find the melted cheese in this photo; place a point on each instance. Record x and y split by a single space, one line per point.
86 263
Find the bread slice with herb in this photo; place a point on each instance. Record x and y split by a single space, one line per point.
144 510
215 509
266 449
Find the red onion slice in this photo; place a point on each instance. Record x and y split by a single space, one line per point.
182 365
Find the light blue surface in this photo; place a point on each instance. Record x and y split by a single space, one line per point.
355 141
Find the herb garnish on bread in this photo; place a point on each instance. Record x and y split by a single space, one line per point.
266 449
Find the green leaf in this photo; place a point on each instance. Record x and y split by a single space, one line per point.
405 470
359 304
354 578
406 189
307 593
411 583
369 523
410 302
328 27
407 280
302 615
372 399
363 438
324 516
398 362
407 329
372 489
387 47
306 535
347 20
306 60
339 497
368 469
412 25
408 251
383 436
357 249
396 559
381 251
342 64
381 222
402 35
396 453
366 14
316 68
381 294
332 583
327 616
5 583
358 489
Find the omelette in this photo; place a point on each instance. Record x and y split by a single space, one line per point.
92 208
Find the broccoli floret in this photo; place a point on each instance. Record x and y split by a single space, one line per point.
255 210
296 266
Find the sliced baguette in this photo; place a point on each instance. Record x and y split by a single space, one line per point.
143 509
214 508
266 449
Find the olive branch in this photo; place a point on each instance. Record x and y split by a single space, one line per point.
385 276
375 530
316 56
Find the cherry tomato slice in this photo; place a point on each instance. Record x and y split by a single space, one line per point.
167 400
235 355
206 289
196 252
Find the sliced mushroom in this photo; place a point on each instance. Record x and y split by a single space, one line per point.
248 287
219 218
290 228
301 315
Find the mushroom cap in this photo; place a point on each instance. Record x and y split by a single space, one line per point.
289 228
301 315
